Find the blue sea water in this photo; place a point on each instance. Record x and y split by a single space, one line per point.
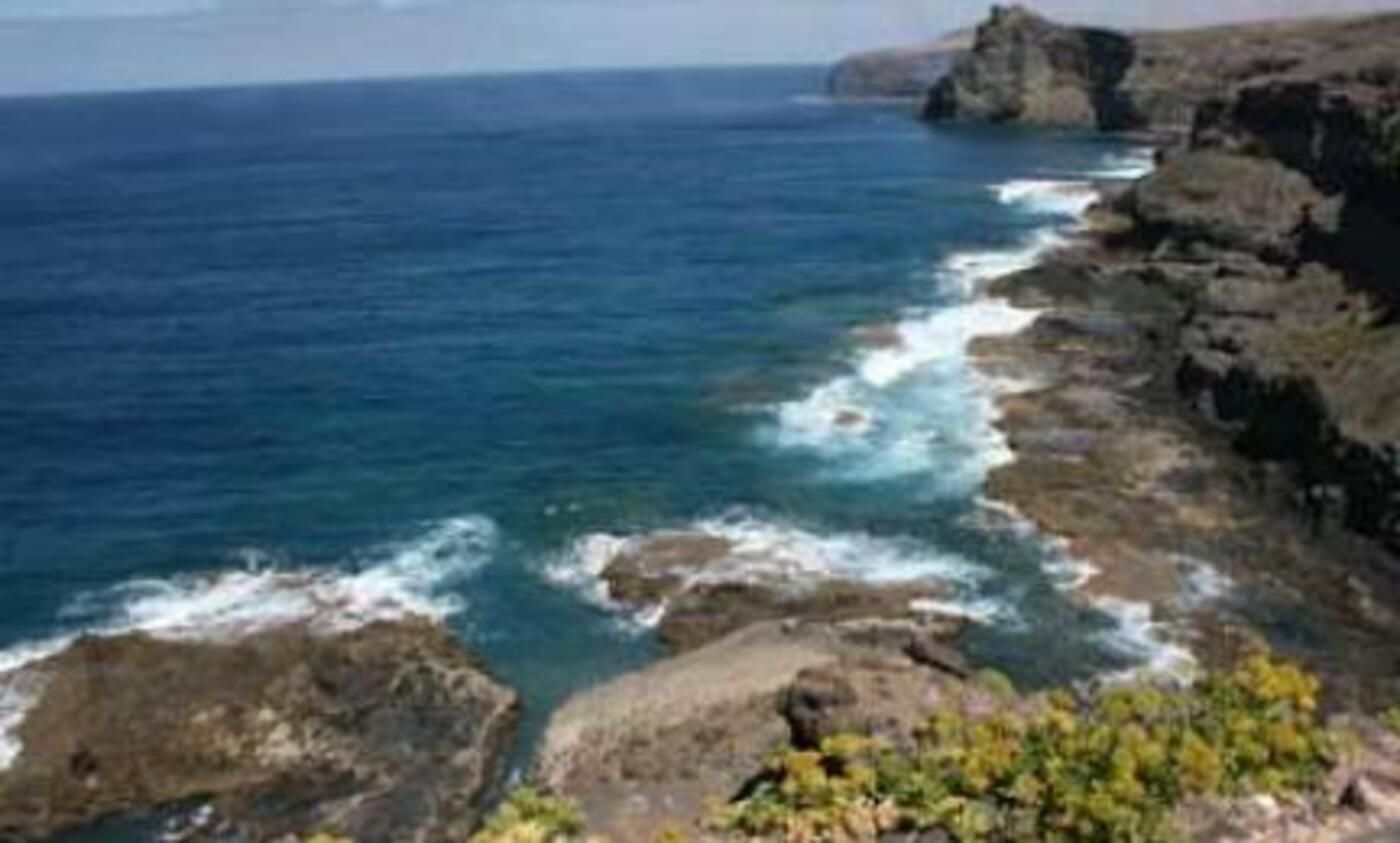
438 344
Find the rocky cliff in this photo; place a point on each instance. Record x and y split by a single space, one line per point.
1024 68
1292 188
1218 366
899 73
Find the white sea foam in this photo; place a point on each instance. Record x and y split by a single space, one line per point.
1202 584
1129 165
779 555
398 581
1138 635
765 550
18 690
1048 197
917 405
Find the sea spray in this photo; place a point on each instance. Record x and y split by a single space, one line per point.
780 554
398 581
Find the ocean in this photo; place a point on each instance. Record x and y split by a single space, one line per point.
440 346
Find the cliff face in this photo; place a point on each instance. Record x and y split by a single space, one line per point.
903 73
1024 68
1291 190
1275 223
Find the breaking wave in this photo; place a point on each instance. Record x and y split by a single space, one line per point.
778 553
1048 197
401 580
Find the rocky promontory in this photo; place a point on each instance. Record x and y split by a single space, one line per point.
384 732
1024 68
897 73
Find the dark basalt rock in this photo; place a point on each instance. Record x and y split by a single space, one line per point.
707 589
1023 68
1299 359
1026 69
388 732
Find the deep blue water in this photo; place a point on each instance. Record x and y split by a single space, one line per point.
307 327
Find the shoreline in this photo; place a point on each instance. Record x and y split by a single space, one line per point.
1164 526
1006 373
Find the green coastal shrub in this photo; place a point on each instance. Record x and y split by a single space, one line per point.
528 816
1110 768
1391 718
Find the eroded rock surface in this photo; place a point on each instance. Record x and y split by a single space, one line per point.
706 586
1232 280
1024 68
388 732
663 747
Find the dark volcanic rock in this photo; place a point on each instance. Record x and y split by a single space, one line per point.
1023 68
1026 69
1300 359
1227 202
1340 129
707 587
1254 277
388 732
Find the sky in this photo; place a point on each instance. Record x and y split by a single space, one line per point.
76 45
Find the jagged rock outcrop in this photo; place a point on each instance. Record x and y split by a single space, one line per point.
898 73
1026 69
1023 68
387 732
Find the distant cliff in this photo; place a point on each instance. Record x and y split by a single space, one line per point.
902 72
1024 68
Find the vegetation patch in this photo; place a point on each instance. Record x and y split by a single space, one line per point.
1391 719
1112 767
529 816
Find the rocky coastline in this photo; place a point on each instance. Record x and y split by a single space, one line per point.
1210 363
1210 401
386 731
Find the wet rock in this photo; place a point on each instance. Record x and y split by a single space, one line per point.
708 587
388 732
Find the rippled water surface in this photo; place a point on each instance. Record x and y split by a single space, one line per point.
434 346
